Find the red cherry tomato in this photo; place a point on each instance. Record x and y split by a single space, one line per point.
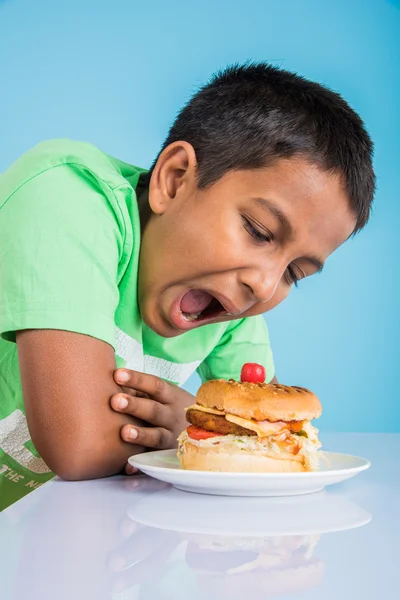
253 373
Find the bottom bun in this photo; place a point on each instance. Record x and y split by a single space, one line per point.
197 458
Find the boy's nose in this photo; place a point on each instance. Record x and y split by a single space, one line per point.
262 284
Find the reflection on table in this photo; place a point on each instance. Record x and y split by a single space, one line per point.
98 540
127 538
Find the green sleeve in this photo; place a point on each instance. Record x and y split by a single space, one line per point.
244 341
60 241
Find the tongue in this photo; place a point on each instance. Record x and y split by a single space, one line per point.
195 301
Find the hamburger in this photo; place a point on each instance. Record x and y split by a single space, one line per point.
250 426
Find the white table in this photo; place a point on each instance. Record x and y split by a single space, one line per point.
127 538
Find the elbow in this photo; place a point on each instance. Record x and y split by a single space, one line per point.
70 467
85 463
79 453
79 461
75 467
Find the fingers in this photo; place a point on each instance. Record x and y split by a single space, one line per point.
155 387
142 558
151 411
130 470
128 527
144 485
131 392
150 437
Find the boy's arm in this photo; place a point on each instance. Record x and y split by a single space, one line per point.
67 381
65 242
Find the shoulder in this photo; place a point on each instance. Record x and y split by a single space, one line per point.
82 159
69 171
80 156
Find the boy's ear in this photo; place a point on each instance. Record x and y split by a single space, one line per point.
173 176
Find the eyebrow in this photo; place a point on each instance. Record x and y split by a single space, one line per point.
284 221
272 208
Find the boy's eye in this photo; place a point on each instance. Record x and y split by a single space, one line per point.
293 275
255 232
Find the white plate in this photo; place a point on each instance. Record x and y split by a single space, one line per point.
334 467
312 514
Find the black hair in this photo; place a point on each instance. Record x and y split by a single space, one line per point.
250 115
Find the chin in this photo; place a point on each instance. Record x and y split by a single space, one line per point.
153 319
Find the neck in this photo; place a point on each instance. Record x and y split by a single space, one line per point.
142 194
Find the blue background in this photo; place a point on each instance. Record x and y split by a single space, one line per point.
115 74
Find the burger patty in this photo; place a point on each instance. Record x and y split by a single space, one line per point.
215 423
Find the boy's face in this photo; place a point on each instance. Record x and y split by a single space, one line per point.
234 249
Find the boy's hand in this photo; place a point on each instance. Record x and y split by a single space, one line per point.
155 401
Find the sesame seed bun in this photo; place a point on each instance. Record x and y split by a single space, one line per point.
260 401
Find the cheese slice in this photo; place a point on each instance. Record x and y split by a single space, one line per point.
262 428
206 409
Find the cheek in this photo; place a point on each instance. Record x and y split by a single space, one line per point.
281 293
214 244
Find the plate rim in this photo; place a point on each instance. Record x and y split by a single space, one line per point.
365 520
214 474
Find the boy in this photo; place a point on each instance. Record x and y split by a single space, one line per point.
263 175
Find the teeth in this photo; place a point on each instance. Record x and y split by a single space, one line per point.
192 317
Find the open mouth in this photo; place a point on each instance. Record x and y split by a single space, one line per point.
195 307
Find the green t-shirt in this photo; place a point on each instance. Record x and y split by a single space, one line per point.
69 248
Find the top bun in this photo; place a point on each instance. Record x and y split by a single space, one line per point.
260 401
